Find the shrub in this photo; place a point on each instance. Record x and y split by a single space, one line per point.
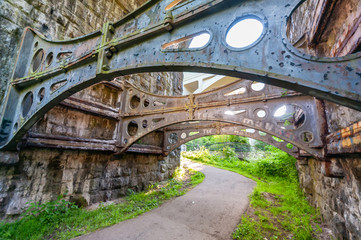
39 220
52 211
229 154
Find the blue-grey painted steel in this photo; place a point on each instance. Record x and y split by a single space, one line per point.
150 39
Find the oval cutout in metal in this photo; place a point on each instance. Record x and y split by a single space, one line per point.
244 32
191 42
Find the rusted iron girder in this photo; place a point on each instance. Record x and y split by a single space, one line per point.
65 142
287 115
174 135
47 72
179 134
346 140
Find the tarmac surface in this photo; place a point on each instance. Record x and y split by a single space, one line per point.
211 210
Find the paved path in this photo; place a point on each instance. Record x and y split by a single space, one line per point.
211 210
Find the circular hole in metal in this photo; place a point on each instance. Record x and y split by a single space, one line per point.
173 138
250 130
277 139
27 103
36 45
37 59
15 126
183 135
257 86
41 94
146 103
132 128
306 136
49 59
289 145
145 124
260 113
289 116
134 102
262 133
244 32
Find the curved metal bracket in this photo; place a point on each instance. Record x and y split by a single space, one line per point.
285 114
47 71
179 134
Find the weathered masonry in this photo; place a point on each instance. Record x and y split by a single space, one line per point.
103 132
68 149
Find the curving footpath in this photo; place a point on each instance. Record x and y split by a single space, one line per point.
210 211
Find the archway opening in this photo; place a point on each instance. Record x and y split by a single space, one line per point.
235 147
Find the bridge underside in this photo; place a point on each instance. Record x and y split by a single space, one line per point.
267 113
150 39
56 134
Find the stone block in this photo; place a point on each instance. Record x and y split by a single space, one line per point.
339 226
8 158
133 181
117 183
104 184
163 168
160 177
143 169
126 172
78 200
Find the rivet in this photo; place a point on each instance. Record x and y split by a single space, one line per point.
113 49
105 67
108 53
111 29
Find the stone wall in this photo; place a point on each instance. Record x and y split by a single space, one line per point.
338 197
41 174
340 35
54 19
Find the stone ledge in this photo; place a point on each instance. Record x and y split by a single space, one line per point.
9 158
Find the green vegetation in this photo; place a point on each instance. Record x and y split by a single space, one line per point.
278 209
218 142
61 219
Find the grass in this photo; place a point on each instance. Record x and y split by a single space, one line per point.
278 207
61 219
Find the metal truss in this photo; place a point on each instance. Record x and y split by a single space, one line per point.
288 115
179 134
153 38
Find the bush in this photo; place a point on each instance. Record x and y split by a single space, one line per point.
52 211
229 154
277 164
37 219
274 164
211 142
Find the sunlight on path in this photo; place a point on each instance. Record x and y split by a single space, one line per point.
211 210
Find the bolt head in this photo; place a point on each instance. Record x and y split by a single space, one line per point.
108 53
105 67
